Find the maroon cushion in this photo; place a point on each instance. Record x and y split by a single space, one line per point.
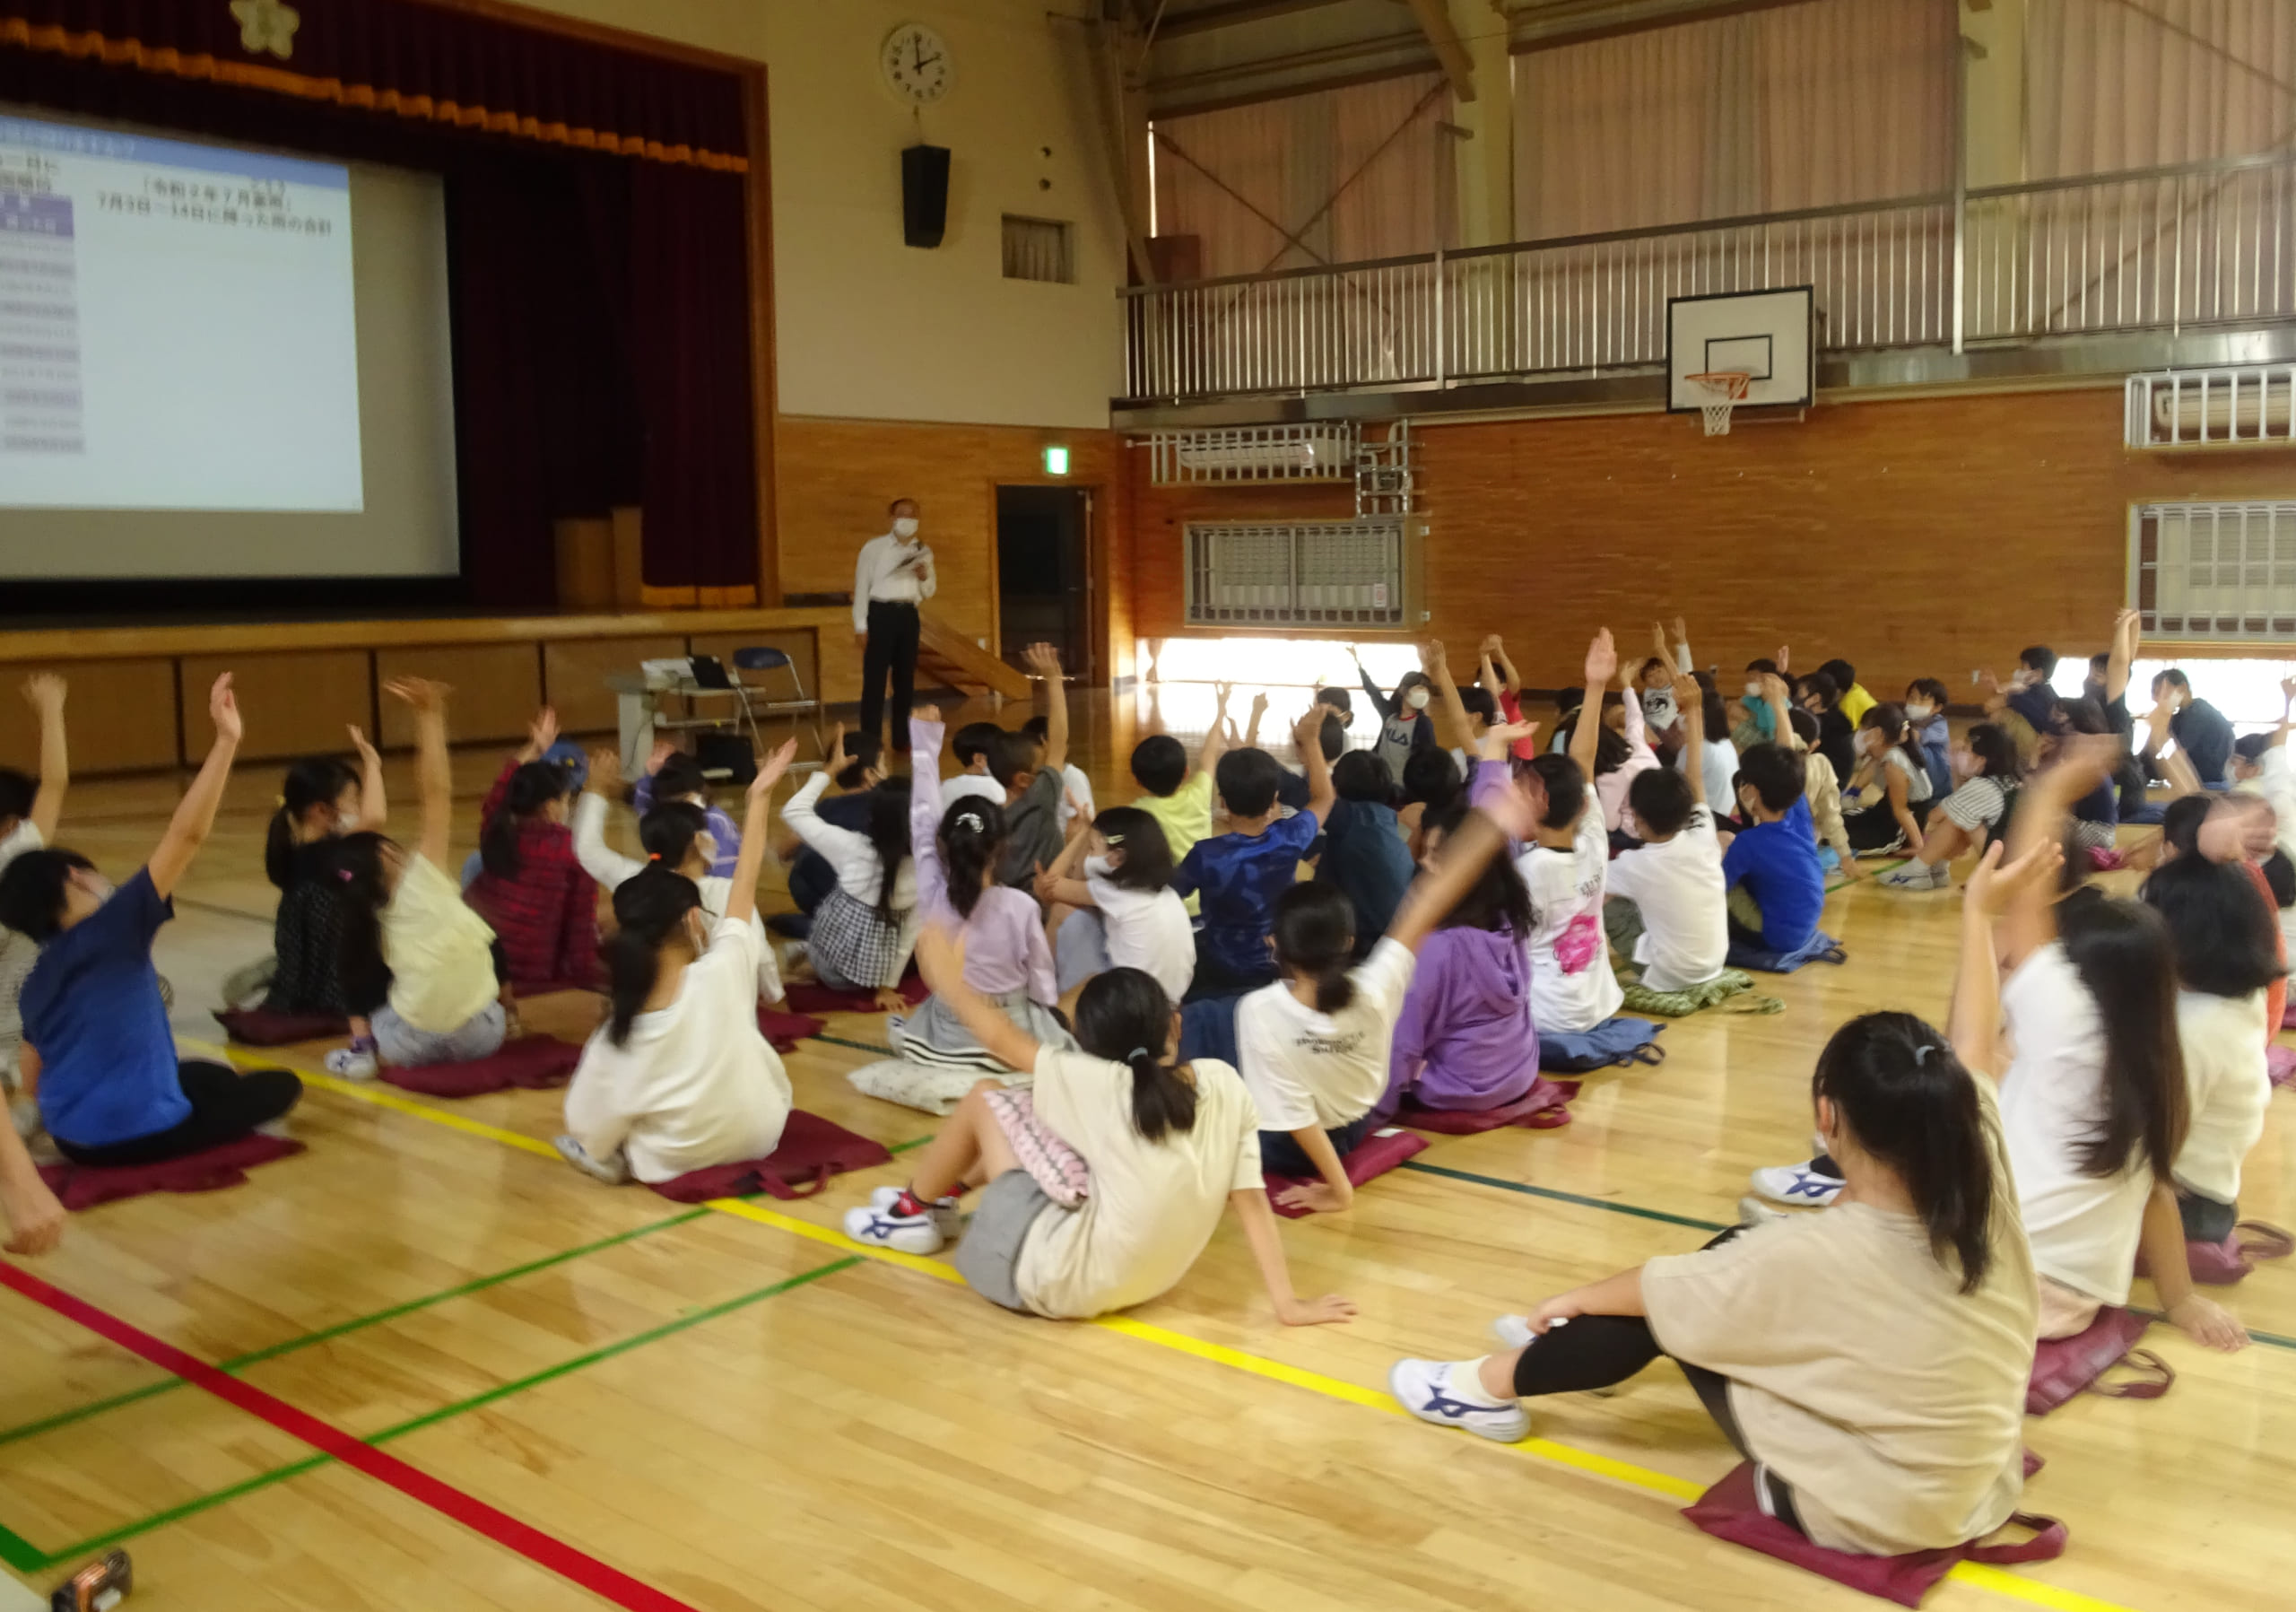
85 1185
2222 1264
810 996
261 1027
1730 1511
2280 1063
2065 1367
536 1062
1539 1109
1374 1155
785 1030
811 1150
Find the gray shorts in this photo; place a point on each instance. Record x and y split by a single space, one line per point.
990 1252
400 1042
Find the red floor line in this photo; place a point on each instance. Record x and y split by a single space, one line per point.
475 1514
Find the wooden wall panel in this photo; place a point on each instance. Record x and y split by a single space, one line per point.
118 716
1923 537
836 477
574 677
291 705
497 689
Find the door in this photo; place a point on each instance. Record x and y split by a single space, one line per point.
1044 580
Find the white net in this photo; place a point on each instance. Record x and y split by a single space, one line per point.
1718 393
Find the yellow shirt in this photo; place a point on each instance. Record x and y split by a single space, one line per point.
1855 702
1184 815
440 951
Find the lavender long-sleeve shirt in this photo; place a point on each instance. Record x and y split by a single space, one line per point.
1005 944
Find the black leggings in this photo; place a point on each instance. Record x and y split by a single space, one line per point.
225 1105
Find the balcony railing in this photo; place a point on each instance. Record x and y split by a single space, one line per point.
2171 248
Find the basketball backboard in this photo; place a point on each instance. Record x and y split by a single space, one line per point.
1769 335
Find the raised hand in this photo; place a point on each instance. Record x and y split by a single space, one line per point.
1259 706
541 733
1602 660
44 693
770 771
1221 692
1498 740
424 694
1992 888
1517 809
836 751
663 750
226 710
1309 730
605 771
1490 645
366 752
1689 693
1434 659
1682 631
1785 658
1043 659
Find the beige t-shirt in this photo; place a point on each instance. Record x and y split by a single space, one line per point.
440 951
1892 1402
1153 1205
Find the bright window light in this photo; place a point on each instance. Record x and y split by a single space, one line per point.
1305 663
2248 691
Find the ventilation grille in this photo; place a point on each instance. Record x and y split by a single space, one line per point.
2248 406
2213 571
1038 249
1296 574
1322 452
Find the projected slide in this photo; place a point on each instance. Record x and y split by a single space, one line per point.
177 326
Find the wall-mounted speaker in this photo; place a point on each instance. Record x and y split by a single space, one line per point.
924 195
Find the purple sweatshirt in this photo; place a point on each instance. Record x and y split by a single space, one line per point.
1465 1038
722 829
1005 944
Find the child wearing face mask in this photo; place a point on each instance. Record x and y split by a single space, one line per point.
1888 795
321 801
1924 708
678 1078
534 892
671 774
1404 723
1662 716
1985 763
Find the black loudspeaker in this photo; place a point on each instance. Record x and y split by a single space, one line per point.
924 195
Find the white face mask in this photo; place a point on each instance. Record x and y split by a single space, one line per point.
1416 698
346 823
905 526
1919 713
1753 691
1097 867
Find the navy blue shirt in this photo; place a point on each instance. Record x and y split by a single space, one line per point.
2205 737
1778 862
92 1008
1365 855
1240 877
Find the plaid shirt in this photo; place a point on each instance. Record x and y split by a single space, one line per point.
547 918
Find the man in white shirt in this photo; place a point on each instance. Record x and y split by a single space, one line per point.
892 577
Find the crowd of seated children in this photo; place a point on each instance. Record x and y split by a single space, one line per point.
542 905
864 928
672 775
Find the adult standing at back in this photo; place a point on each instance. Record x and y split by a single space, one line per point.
893 577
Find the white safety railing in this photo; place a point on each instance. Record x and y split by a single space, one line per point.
2173 248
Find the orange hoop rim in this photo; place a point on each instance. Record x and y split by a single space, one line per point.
1720 384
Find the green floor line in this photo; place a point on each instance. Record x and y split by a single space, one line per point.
241 1363
26 1557
838 1041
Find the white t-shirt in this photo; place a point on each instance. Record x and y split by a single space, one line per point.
1306 1068
1147 929
440 953
17 841
612 870
1685 906
1721 759
2083 1228
2224 1041
1572 988
1153 1205
697 1085
970 786
1073 781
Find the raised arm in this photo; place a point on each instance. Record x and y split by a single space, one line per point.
44 692
609 866
1308 739
541 733
924 731
1436 662
740 900
1380 702
1044 662
1601 666
1059 883
2030 917
434 779
1690 701
1215 738
1509 681
1974 1023
374 804
1683 661
2118 660
1481 835
1775 695
196 815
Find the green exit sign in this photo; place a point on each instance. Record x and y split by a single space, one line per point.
1056 461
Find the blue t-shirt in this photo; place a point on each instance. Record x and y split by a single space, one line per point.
1778 862
1366 855
92 1007
1241 876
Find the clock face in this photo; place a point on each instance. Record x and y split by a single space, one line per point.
917 63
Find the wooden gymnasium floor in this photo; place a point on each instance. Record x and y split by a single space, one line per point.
463 1376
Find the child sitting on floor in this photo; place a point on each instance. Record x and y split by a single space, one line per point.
1075 788
29 814
856 763
1178 797
1666 908
1987 764
971 745
1124 911
671 775
1925 709
1564 867
1313 1048
1007 960
1887 799
865 926
534 892
1164 1148
1718 756
1242 872
321 801
1034 779
1777 892
1814 1342
1365 856
97 1050
678 1078
419 967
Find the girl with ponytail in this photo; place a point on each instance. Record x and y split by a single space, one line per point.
321 800
1814 1341
676 836
533 888
1007 960
678 1078
1165 1148
1314 1047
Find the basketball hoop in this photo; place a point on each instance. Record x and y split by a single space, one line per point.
1718 391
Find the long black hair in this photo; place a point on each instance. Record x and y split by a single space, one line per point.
1997 752
1909 1101
2226 939
972 836
668 833
1888 720
315 780
888 835
1498 899
648 908
533 786
1315 938
2122 951
1125 1017
359 872
1147 864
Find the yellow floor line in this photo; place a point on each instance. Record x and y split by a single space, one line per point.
1998 1581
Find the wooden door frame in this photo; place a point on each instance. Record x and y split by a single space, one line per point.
1096 562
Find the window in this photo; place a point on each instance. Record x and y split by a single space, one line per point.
2213 571
1296 573
1036 248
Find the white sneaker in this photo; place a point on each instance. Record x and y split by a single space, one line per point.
948 1215
613 1171
882 1228
1797 1185
352 1063
1916 875
1425 1389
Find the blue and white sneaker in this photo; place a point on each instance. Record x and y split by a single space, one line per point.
1798 1186
1425 1389
880 1223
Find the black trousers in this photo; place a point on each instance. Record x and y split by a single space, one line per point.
891 651
225 1105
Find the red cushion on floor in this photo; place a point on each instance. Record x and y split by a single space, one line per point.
261 1027
2222 1264
536 1062
2064 1366
85 1185
1374 1155
785 1030
812 1149
1539 1109
810 996
1730 1511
